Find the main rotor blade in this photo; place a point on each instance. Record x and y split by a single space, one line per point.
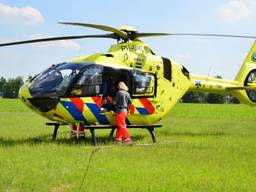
100 27
112 36
213 35
139 35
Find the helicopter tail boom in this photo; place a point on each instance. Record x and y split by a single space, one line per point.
243 87
210 84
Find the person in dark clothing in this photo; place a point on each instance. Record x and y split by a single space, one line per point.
108 89
122 101
109 86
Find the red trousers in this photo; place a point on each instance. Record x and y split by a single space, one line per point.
121 132
77 130
74 127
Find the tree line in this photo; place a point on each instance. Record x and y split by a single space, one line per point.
202 97
9 88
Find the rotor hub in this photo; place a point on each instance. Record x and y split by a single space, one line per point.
127 29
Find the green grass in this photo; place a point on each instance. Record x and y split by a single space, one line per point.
200 148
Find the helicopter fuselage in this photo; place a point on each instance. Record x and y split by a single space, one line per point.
155 84
82 90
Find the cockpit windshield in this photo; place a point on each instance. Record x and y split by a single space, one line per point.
55 81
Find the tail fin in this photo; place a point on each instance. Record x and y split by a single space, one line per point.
247 79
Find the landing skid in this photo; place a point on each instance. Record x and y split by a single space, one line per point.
150 128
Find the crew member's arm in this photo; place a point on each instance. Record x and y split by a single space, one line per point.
129 103
115 99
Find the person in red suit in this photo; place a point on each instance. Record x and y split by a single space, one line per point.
122 101
77 131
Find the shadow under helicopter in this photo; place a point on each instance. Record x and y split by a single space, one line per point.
101 140
47 139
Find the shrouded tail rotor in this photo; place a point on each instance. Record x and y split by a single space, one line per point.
247 79
250 80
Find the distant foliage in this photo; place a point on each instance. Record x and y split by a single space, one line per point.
216 98
197 97
10 88
234 100
2 82
194 97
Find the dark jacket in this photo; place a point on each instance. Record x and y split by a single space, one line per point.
122 100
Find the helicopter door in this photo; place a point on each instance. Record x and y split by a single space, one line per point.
97 80
111 78
143 84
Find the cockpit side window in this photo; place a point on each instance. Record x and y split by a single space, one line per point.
144 84
89 82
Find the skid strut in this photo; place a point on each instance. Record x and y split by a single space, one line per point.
150 128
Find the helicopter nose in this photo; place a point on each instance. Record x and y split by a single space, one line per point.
24 94
36 103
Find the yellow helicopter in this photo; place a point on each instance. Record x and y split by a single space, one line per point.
80 91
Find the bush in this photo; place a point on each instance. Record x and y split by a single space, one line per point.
10 88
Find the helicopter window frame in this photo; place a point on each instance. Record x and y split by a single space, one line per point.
143 94
76 89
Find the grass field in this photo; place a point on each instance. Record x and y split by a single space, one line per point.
200 148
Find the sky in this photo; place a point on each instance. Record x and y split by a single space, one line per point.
28 19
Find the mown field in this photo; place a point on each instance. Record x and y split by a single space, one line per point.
200 148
